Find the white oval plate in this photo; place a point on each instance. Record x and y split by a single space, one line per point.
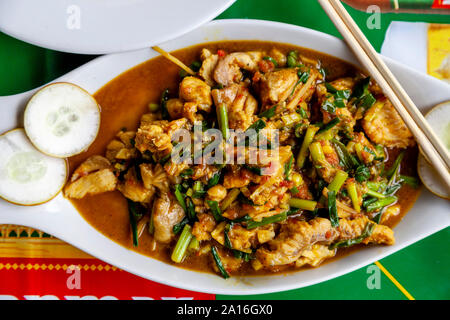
104 26
59 218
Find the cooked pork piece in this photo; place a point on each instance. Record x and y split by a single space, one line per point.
241 105
175 108
350 229
383 125
295 237
93 176
277 86
166 214
156 136
279 57
208 66
94 183
154 176
240 238
134 189
228 68
204 226
122 148
315 256
229 262
195 90
346 83
91 164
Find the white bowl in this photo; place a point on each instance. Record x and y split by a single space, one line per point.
104 26
59 218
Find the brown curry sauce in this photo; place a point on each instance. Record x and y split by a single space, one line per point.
125 99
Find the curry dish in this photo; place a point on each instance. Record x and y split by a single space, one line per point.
333 171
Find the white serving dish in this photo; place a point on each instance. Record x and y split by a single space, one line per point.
104 26
59 218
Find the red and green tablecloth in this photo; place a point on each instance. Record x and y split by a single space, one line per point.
47 270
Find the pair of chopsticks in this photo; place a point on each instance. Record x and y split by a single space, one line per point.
432 147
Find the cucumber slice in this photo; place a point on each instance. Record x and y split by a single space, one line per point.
439 119
62 120
431 179
27 176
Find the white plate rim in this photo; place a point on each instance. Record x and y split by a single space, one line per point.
95 46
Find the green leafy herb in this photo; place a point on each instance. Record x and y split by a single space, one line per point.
180 197
330 87
329 107
215 210
217 86
257 125
222 117
368 201
292 58
226 237
381 203
343 94
347 159
180 250
267 220
255 170
392 189
242 219
340 97
411 181
380 156
323 73
195 66
303 76
303 113
299 128
269 113
361 88
214 180
164 159
377 218
238 254
135 213
275 63
293 211
362 94
243 255
367 101
164 98
219 264
190 209
198 190
329 125
395 165
370 151
179 226
288 167
362 173
332 209
187 172
367 232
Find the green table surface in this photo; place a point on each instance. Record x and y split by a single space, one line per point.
422 268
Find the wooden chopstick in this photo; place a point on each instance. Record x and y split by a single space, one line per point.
432 147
